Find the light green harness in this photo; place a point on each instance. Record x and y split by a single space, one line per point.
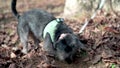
51 27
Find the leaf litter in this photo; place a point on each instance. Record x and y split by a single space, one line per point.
102 38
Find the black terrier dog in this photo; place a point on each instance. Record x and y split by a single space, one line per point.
58 38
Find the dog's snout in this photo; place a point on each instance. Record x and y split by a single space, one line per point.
68 60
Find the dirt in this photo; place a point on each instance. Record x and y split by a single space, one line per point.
101 37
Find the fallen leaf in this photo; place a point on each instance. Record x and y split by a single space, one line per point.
12 65
107 54
96 59
12 55
110 29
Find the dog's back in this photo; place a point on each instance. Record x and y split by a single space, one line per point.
32 18
36 19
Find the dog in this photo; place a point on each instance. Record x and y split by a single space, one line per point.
59 39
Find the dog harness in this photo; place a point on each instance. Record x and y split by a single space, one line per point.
51 27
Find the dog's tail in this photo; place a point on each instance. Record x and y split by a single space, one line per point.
13 7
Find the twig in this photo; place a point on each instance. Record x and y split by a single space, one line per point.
100 5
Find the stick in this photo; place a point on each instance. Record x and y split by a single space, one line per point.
100 5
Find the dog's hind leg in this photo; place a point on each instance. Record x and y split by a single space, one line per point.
35 39
23 31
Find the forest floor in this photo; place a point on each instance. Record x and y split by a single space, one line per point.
101 36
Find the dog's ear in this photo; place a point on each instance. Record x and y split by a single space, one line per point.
48 45
81 45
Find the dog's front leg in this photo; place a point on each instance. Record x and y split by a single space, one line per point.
48 45
36 42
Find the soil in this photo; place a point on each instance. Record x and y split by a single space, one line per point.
101 37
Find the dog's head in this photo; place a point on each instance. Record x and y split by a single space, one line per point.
66 47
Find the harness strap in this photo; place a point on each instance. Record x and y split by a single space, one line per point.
51 27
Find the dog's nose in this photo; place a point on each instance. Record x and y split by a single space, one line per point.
68 60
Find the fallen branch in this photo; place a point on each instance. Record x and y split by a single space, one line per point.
100 5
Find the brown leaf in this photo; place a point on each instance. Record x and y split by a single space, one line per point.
29 55
96 59
12 65
45 65
107 54
110 29
12 55
14 39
